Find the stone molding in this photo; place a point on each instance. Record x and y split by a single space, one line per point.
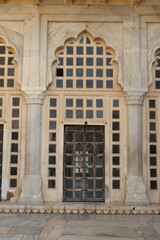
134 97
135 2
34 96
36 2
79 209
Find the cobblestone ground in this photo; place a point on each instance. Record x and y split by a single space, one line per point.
79 227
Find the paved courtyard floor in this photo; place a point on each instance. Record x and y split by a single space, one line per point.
79 227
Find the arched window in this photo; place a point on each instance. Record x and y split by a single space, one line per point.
157 70
85 63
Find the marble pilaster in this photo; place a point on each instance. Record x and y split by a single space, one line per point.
135 185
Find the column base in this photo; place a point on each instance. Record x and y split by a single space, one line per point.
136 191
31 190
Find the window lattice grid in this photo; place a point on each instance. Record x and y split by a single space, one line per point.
157 71
15 140
84 108
85 64
116 154
152 145
7 66
52 140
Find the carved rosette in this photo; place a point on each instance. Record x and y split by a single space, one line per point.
134 97
34 96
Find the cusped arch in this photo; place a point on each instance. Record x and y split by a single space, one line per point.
17 58
152 65
97 40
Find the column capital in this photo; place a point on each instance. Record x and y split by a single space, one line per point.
134 97
34 95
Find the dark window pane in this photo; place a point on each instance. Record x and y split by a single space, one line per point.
89 72
79 102
89 103
108 61
13 182
89 114
152 115
99 183
116 161
2 49
78 184
51 172
99 172
52 124
99 62
79 50
69 102
59 83
68 160
99 114
116 137
79 137
89 62
89 83
79 113
99 72
89 137
1 71
10 82
52 148
157 84
116 184
68 195
153 161
14 135
52 137
60 61
88 41
153 185
152 103
1 82
14 159
89 172
157 73
53 102
69 137
69 84
116 172
69 72
99 103
79 83
16 102
99 148
109 84
89 195
153 172
15 124
99 84
13 171
52 160
1 101
115 103
152 138
2 60
51 183
69 113
59 72
115 126
79 61
99 50
109 73
69 62
99 137
89 50
53 113
68 172
69 148
10 59
69 50
115 149
79 72
152 126
15 112
10 71
153 149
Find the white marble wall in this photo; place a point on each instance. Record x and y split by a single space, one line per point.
37 31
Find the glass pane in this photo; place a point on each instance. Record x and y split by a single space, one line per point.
79 113
109 73
89 137
79 148
99 183
79 160
51 183
89 72
69 137
53 102
69 72
89 160
99 84
78 184
89 61
89 148
53 113
68 160
99 148
68 172
68 184
10 82
79 50
89 184
68 148
69 113
79 72
99 160
52 160
99 137
79 83
89 83
79 102
16 102
69 50
59 83
89 172
69 84
89 114
69 102
79 137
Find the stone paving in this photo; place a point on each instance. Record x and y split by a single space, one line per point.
79 227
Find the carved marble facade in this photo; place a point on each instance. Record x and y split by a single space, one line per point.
43 33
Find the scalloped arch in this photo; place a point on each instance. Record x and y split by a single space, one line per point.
17 57
96 39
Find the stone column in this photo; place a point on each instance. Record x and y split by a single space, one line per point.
135 186
31 186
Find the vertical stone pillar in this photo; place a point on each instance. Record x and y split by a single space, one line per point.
135 186
31 186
